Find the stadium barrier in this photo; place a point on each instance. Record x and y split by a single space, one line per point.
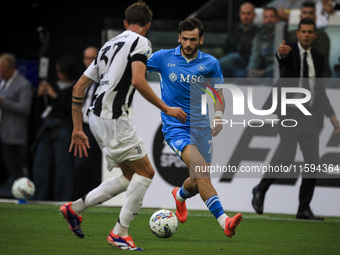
232 148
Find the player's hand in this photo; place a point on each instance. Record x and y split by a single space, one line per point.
335 124
80 142
217 127
178 113
284 49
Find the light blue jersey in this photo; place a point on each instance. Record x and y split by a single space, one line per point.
182 83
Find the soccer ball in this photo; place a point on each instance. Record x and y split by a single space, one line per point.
23 188
163 223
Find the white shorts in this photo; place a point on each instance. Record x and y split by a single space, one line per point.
117 138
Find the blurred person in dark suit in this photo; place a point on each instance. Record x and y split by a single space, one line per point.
88 169
15 104
298 60
321 42
239 43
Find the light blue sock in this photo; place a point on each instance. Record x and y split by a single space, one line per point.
182 194
214 206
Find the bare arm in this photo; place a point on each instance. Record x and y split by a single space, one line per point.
143 87
335 124
79 140
219 108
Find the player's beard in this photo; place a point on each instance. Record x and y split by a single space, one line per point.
193 51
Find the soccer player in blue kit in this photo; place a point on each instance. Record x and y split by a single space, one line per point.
184 72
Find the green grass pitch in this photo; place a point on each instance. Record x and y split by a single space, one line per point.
39 229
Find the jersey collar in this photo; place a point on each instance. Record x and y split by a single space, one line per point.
178 52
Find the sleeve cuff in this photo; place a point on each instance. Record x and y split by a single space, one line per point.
139 57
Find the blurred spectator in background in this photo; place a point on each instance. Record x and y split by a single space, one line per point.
261 62
53 164
15 104
322 41
238 44
88 169
283 7
323 8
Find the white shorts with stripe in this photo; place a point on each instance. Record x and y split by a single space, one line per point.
117 138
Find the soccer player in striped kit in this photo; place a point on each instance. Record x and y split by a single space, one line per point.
119 68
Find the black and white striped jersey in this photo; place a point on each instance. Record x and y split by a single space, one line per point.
112 70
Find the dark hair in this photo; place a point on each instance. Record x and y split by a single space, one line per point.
306 21
138 13
272 9
308 4
191 24
68 66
